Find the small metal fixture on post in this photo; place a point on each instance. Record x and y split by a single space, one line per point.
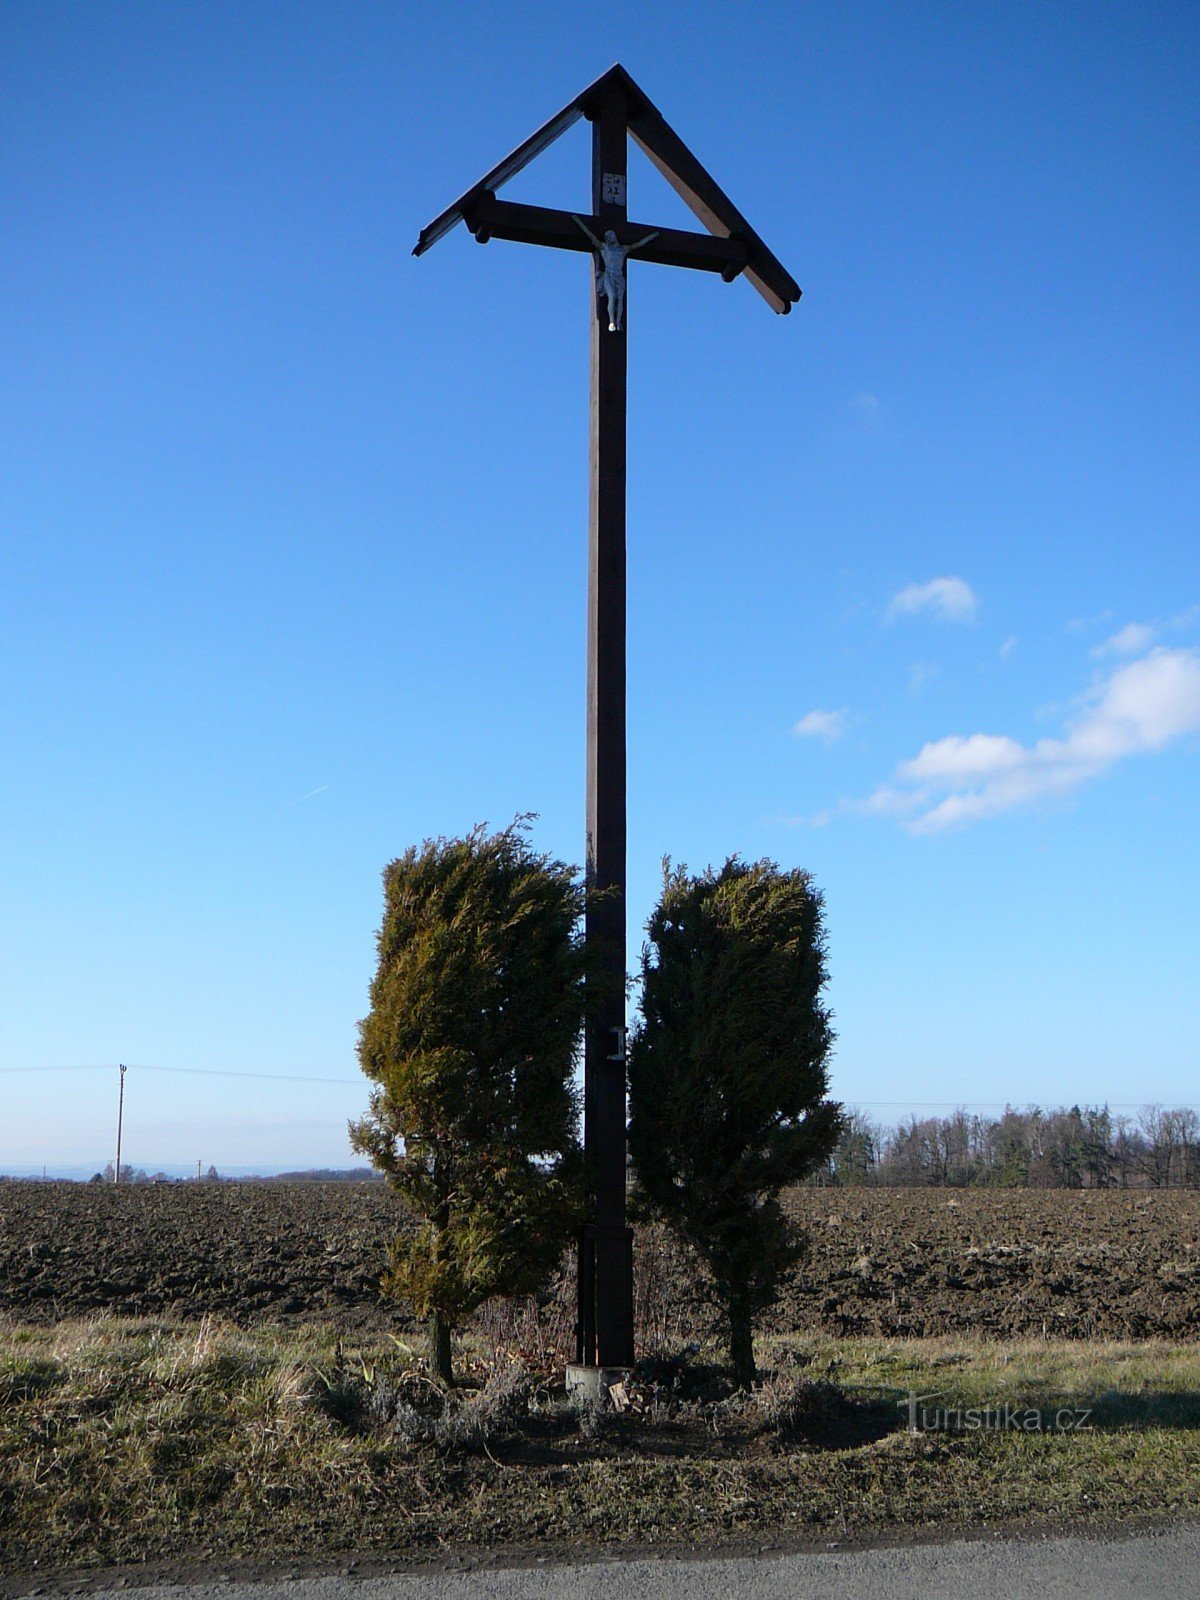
616 109
120 1120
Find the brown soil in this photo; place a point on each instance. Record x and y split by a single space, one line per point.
1051 1263
1055 1263
252 1252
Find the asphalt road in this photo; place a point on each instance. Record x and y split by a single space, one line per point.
1157 1566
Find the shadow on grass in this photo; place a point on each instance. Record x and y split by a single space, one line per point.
848 1425
25 1377
1112 1411
1156 1409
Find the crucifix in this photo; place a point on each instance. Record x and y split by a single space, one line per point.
616 109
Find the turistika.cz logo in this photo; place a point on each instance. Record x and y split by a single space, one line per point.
1006 1418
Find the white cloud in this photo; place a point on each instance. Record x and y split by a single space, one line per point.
1009 645
1130 640
827 725
1142 707
1135 637
950 599
959 760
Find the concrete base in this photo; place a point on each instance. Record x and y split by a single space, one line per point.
591 1384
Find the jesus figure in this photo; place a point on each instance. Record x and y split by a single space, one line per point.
610 270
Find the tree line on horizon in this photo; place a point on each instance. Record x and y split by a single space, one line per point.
1089 1147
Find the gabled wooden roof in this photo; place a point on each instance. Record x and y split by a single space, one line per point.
659 141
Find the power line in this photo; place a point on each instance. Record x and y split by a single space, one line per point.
271 1077
197 1072
103 1066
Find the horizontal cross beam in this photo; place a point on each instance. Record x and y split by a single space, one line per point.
489 218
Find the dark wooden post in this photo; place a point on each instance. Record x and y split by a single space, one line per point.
617 109
605 1327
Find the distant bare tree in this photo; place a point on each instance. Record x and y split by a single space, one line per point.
958 1138
1187 1131
1098 1155
1158 1132
914 1154
1127 1150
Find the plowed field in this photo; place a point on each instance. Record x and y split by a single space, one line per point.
1058 1264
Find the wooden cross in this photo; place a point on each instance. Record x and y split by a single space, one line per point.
615 107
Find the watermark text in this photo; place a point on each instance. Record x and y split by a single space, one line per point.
924 1417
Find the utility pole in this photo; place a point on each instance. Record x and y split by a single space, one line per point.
617 109
120 1120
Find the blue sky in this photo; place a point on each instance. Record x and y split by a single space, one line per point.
293 531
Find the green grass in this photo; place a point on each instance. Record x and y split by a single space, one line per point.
1155 1383
133 1440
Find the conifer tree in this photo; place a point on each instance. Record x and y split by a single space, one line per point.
476 1010
727 1075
